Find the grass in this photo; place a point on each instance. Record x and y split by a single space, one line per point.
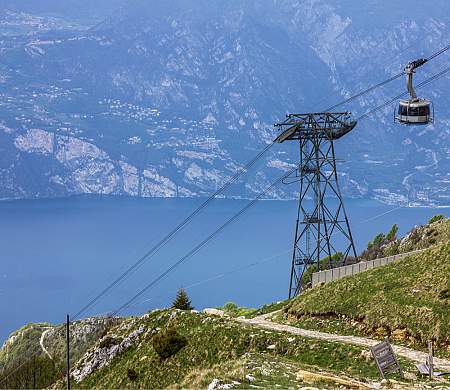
220 348
408 301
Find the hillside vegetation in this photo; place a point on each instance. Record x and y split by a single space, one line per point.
47 365
215 352
408 300
437 231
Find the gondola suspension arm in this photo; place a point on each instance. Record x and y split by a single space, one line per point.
410 70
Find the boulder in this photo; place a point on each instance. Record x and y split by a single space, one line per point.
215 312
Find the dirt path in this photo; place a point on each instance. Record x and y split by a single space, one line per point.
416 356
41 342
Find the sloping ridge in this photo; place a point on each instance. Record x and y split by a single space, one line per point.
411 296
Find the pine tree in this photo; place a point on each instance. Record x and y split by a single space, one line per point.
182 301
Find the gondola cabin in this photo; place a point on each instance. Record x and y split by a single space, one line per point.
415 112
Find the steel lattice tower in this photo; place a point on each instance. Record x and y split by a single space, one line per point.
320 222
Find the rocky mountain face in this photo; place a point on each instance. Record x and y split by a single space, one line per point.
169 98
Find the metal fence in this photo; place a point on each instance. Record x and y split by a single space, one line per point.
349 270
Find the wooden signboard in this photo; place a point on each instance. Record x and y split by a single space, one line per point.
385 358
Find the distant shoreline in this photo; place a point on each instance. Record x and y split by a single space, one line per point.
200 198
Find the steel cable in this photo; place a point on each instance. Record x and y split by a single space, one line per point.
199 246
438 53
420 85
365 91
370 89
164 241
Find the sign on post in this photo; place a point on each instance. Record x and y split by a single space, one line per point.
385 358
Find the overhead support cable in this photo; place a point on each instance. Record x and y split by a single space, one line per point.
197 248
164 241
256 263
376 86
394 99
370 89
438 53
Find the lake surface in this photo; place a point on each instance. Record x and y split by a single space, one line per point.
57 254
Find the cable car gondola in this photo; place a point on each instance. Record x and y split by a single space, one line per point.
414 111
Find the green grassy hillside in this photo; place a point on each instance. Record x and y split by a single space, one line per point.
218 350
408 300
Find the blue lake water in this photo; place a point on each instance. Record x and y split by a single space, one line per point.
57 254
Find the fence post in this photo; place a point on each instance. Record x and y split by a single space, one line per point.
68 351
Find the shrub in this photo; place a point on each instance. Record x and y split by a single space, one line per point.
230 307
392 248
375 248
108 342
415 236
168 343
182 301
132 374
444 294
39 372
436 218
377 241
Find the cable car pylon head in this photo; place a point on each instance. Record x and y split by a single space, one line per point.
414 111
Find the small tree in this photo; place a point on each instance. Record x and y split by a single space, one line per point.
392 235
182 301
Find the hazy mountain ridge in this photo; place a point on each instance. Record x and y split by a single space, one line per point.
169 98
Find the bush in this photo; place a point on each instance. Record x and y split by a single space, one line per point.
182 301
230 307
444 294
132 374
375 248
436 218
108 342
168 343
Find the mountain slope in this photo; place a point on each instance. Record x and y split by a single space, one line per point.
408 300
34 355
217 352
